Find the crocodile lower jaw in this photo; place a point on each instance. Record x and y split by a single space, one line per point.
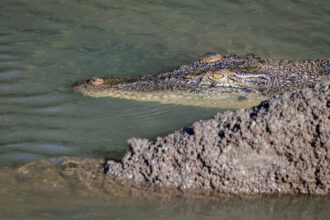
223 100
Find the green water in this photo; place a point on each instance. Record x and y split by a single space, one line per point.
47 45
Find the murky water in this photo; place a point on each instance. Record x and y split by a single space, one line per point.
42 207
46 46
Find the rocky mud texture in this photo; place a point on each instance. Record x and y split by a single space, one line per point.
279 146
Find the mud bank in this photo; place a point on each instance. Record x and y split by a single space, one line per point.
280 146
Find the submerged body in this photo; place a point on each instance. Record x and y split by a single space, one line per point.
214 81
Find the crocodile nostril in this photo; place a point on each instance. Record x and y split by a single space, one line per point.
96 81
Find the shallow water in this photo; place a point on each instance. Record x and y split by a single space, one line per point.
46 46
42 207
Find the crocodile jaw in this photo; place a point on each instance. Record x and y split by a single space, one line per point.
228 100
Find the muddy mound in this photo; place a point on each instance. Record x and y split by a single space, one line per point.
279 146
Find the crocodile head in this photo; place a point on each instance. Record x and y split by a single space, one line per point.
212 78
212 82
221 88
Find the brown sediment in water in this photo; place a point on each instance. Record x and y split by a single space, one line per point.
64 177
278 147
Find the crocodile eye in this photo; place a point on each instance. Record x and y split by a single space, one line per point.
96 81
217 75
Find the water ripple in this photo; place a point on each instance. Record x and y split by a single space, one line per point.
46 46
37 148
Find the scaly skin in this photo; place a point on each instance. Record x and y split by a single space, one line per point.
212 79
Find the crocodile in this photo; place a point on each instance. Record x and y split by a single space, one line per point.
214 81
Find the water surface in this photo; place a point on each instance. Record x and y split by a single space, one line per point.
46 46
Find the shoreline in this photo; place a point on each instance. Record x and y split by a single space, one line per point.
278 147
242 154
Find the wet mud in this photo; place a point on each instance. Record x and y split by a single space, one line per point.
278 147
